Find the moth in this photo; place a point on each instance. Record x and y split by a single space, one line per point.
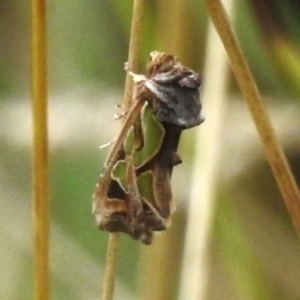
134 193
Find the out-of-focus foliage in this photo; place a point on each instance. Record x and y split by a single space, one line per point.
255 253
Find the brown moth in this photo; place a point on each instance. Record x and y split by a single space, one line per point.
134 192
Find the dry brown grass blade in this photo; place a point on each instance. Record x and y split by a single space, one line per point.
272 147
40 150
134 49
134 46
110 268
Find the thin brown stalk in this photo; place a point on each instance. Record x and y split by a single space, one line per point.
272 147
111 266
134 49
134 46
40 150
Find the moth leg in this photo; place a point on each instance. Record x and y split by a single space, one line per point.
119 116
153 217
135 77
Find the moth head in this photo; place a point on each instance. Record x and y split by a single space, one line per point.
160 62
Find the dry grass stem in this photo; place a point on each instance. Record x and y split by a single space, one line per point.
40 150
273 149
134 46
134 49
111 266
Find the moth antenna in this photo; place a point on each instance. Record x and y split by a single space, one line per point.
117 115
108 144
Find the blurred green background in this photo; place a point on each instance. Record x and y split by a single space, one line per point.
254 250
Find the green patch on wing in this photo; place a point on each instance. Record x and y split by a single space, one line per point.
145 185
118 173
153 134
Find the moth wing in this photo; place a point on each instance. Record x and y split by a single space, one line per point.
192 81
176 104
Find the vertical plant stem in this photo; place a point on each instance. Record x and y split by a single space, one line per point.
171 21
111 266
273 149
134 47
195 265
40 150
